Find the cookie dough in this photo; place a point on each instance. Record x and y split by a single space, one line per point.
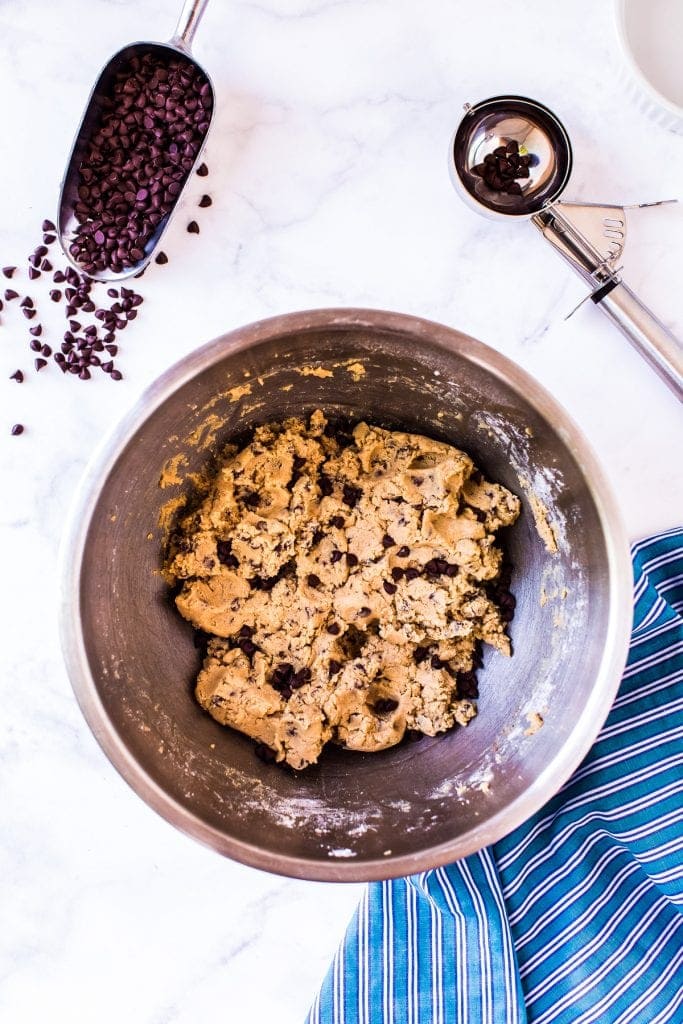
346 584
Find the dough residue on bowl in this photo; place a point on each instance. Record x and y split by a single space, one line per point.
345 583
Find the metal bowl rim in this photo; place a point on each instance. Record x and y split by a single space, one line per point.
588 724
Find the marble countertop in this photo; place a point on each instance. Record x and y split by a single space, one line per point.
328 174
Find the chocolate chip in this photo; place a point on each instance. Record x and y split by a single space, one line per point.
387 541
300 678
364 612
116 375
385 705
48 225
205 201
193 227
313 581
436 662
161 258
10 294
334 629
202 170
28 312
335 557
452 570
351 495
8 271
397 573
351 559
225 555
325 484
334 667
338 522
246 630
419 654
17 429
26 302
390 588
403 551
34 345
411 573
39 363
17 376
55 295
318 535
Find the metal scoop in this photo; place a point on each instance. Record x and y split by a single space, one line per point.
67 223
589 236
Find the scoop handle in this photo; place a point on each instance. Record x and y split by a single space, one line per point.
648 335
188 22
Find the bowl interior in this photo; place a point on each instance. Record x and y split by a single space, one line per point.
353 815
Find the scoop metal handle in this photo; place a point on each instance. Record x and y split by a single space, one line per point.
188 22
648 335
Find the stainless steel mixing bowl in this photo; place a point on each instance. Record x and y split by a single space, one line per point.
131 657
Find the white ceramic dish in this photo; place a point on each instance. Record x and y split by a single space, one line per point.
650 34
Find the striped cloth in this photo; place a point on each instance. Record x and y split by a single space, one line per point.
577 916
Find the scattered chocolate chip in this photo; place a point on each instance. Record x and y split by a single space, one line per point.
384 706
313 581
436 662
334 629
202 170
338 522
58 277
335 557
48 225
46 266
34 345
351 559
387 541
26 302
390 588
116 375
161 258
419 654
17 429
10 294
325 484
8 271
334 667
364 612
411 573
36 331
55 295
17 376
248 647
193 227
205 201
397 573
28 312
403 551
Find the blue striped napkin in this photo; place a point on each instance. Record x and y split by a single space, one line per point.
577 916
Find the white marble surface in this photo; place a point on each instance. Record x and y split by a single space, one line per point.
328 172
